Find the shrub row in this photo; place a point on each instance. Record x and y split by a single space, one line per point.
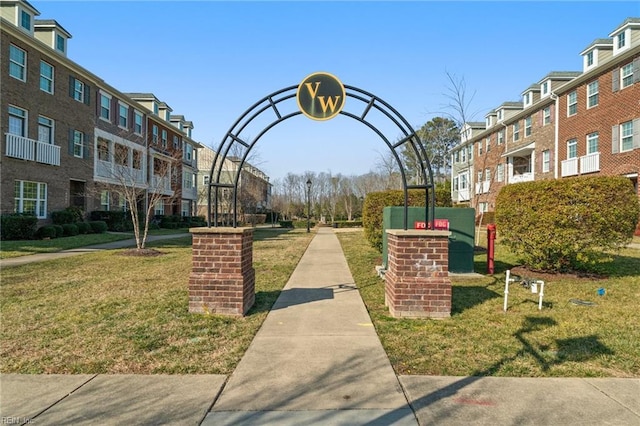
347 224
18 226
566 225
71 229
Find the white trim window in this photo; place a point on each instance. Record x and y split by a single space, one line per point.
31 198
46 77
527 126
544 88
546 161
137 122
105 200
45 130
17 121
590 59
546 115
105 106
78 144
158 208
621 39
164 138
592 143
516 131
480 147
61 43
500 172
25 20
123 116
79 90
154 132
500 137
487 175
205 180
17 63
572 149
185 210
626 75
626 136
572 103
592 94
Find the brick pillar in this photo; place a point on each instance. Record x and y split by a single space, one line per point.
417 283
222 279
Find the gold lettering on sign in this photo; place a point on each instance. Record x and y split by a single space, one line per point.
330 103
313 92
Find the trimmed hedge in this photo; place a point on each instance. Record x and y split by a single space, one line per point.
303 223
18 226
566 225
117 221
347 224
286 224
70 229
375 202
98 226
83 227
47 231
59 231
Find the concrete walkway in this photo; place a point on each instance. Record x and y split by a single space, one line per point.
316 361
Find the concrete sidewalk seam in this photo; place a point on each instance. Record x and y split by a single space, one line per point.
617 401
64 397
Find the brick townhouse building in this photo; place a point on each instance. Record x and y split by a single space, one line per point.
67 133
570 123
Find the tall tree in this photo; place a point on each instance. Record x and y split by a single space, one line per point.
438 136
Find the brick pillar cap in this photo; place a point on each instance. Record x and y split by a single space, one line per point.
418 233
220 230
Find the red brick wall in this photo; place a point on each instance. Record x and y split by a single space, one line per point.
417 280
222 279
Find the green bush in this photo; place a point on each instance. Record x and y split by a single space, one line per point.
83 227
566 225
286 224
70 229
375 202
18 226
303 223
59 231
47 231
347 224
117 221
98 226
62 217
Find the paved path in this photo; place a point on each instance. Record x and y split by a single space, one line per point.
316 361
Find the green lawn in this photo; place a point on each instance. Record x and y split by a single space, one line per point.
107 313
562 339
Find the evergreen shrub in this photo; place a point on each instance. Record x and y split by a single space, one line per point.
18 226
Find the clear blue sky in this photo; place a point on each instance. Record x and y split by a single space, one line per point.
211 60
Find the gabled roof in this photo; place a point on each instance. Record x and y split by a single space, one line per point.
602 43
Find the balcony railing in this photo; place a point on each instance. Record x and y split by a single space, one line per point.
32 150
463 195
189 194
161 185
590 163
523 177
482 187
119 174
569 167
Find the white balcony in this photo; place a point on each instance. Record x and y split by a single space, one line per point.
116 173
569 167
161 185
478 188
189 194
32 150
523 177
590 163
463 195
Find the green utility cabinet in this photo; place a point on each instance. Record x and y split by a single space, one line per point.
461 226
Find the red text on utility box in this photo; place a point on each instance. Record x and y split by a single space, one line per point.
438 224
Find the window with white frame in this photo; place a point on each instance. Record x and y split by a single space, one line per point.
480 176
527 98
105 200
500 172
464 181
17 63
456 155
487 175
592 143
572 103
137 122
105 106
154 133
123 116
176 142
78 90
60 43
546 161
470 152
45 130
626 136
527 126
484 207
572 149
487 144
621 39
463 155
188 152
545 88
592 94
516 131
590 58
17 121
205 180
456 183
546 115
479 147
164 138
25 20
500 115
46 77
78 144
187 180
158 208
626 75
185 208
501 137
31 198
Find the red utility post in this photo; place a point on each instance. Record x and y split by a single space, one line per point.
491 238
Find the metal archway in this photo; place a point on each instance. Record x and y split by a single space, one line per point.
275 104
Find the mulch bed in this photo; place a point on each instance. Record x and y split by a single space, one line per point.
525 272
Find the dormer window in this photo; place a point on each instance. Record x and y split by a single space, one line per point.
621 40
527 98
60 43
500 115
25 20
155 108
545 88
590 59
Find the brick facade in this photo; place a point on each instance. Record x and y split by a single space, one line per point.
417 283
222 279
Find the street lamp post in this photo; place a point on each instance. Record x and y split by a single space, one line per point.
308 204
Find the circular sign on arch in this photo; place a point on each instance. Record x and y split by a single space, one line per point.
321 96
